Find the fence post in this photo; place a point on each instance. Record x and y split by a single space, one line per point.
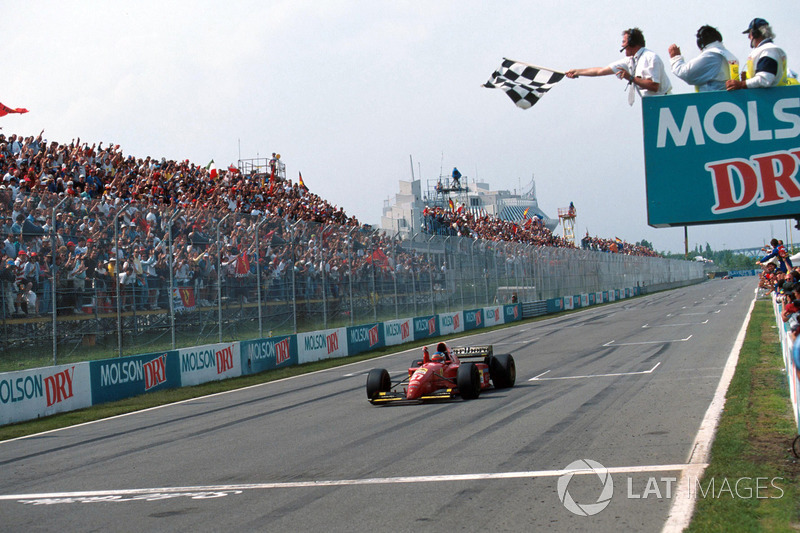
116 277
219 278
430 272
170 257
258 277
52 279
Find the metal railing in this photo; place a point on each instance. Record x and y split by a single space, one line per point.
197 277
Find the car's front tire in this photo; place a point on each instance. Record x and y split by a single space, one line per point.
378 380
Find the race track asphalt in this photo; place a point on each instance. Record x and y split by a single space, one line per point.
625 385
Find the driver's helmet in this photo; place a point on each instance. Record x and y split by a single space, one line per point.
438 357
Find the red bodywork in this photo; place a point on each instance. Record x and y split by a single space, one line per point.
432 376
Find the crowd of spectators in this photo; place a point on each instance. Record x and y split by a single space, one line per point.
100 193
617 246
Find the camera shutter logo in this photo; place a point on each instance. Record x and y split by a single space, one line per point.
586 509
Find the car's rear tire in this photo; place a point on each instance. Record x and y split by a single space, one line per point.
378 380
503 371
468 380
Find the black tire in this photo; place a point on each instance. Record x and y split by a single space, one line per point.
378 380
468 380
503 371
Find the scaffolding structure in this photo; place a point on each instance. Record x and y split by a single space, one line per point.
261 168
441 191
567 217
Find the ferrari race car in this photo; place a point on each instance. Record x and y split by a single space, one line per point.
444 375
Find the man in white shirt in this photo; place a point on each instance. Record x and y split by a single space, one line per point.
712 68
641 68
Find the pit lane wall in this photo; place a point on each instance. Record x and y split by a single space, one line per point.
31 394
791 360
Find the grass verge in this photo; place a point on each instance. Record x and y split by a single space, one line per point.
752 444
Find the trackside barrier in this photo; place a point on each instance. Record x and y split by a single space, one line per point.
35 393
790 360
30 394
123 377
261 355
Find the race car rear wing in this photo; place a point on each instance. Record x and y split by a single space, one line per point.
472 351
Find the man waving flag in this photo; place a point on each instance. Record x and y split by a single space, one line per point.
523 83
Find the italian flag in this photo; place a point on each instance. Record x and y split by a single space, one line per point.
212 169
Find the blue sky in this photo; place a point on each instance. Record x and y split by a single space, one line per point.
346 90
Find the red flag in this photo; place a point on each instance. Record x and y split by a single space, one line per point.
242 265
232 169
5 110
271 181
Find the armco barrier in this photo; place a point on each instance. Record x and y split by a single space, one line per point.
268 354
41 392
398 331
30 394
450 323
115 379
211 362
365 338
473 319
426 327
792 369
318 345
493 316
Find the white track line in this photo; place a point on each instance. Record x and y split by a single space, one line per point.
211 491
539 378
611 343
676 325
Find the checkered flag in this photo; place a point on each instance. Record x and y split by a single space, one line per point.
523 83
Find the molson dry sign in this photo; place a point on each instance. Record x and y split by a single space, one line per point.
722 156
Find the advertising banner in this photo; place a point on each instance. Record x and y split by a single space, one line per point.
211 362
365 338
554 305
451 323
123 377
568 302
473 319
493 316
318 345
426 327
512 313
268 354
611 295
38 392
722 156
398 331
584 300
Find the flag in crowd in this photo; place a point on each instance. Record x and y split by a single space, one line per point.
525 213
302 185
524 84
451 204
212 169
5 110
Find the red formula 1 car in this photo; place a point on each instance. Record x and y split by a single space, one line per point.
444 375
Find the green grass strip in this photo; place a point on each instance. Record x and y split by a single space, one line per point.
753 441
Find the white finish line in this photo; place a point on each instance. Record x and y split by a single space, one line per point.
217 491
540 378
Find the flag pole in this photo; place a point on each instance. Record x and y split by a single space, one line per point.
535 66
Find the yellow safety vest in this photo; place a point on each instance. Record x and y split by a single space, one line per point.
785 79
